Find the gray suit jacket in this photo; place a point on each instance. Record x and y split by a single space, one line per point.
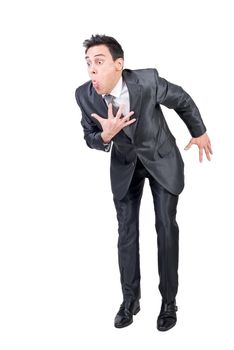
149 137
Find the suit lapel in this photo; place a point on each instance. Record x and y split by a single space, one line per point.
100 104
135 96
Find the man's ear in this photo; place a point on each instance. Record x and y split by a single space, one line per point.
119 63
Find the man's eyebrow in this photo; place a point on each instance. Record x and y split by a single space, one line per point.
100 54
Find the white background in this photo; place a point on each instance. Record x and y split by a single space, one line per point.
59 280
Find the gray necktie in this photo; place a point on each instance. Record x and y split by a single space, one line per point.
111 99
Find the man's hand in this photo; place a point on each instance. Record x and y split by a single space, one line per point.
112 125
203 143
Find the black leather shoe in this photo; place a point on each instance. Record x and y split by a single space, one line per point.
125 314
167 317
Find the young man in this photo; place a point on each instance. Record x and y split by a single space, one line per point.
121 107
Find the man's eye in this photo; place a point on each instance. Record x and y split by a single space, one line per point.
100 62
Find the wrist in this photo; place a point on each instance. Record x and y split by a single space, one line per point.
105 137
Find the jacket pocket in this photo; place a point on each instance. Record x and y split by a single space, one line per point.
165 148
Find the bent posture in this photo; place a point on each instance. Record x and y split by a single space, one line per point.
121 108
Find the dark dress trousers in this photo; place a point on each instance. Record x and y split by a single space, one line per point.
144 149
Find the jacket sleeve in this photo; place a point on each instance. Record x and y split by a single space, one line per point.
92 133
173 96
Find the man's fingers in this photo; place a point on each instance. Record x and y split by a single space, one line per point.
120 112
110 111
96 116
188 146
204 144
200 154
129 122
207 153
209 148
127 116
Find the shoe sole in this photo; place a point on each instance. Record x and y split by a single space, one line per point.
166 329
127 324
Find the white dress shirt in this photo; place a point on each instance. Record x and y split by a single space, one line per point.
120 92
121 95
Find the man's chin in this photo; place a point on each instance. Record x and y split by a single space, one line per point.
98 90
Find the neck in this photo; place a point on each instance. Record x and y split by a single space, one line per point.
116 82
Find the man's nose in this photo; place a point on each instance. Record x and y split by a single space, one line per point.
92 69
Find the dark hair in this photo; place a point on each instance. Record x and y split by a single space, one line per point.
112 44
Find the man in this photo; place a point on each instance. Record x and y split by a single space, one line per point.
121 107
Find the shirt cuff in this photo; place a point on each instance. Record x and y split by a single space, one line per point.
107 146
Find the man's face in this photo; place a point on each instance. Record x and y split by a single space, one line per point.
103 70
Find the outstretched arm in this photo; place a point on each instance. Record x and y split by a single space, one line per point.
173 96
